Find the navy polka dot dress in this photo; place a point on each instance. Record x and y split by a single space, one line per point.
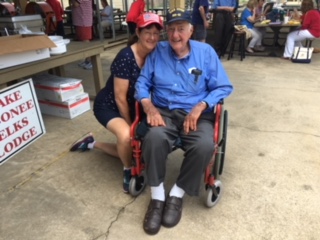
124 66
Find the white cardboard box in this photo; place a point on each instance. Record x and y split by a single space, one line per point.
68 109
17 49
55 88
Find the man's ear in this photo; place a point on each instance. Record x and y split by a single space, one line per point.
191 29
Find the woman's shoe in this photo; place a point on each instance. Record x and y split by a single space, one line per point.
83 63
126 180
259 48
316 50
249 50
82 144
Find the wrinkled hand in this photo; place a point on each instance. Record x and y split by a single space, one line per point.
154 117
191 120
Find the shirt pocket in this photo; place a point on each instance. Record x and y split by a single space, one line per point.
195 84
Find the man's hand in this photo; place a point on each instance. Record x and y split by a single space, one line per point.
191 120
206 24
154 117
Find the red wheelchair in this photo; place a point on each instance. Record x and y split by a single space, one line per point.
214 169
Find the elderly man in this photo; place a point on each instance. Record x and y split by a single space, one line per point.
185 79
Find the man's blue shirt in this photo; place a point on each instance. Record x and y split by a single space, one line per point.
171 84
224 3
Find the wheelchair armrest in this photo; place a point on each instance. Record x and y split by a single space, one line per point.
218 112
139 127
136 121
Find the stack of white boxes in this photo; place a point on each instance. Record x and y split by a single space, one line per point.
59 96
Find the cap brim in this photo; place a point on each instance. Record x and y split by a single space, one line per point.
149 23
179 19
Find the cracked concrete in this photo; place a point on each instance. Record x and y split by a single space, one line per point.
271 175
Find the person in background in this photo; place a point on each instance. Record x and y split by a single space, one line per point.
223 24
199 20
114 106
260 13
181 106
136 9
106 14
58 11
82 19
310 28
248 19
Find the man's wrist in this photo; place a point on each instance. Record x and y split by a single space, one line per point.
205 104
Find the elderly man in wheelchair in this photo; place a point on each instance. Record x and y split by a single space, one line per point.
178 88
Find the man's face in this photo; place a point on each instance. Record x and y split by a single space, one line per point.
179 34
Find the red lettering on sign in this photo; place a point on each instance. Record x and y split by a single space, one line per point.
15 127
11 98
16 142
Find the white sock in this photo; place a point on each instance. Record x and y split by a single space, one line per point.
176 191
157 193
126 168
91 145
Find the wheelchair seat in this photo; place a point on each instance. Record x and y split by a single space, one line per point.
213 185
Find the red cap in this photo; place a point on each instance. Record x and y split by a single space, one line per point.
149 18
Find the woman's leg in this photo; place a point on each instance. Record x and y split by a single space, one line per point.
109 148
294 39
261 32
120 128
255 38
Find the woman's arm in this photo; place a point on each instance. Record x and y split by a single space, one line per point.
120 92
252 17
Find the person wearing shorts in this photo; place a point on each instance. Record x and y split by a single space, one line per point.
199 20
114 106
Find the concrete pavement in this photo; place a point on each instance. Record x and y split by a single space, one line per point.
271 176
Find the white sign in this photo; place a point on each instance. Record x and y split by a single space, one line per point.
20 119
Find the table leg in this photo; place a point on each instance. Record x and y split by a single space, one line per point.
60 71
97 73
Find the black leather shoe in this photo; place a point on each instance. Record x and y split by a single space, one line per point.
153 217
172 212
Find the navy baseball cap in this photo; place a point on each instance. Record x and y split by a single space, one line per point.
178 14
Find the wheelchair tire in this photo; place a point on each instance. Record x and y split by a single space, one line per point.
137 185
224 135
214 194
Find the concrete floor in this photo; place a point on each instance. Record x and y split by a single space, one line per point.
271 176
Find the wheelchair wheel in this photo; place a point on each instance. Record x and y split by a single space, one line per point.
214 194
224 135
137 184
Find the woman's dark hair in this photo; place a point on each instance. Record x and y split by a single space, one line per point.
306 5
134 38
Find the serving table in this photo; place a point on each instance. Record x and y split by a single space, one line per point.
276 27
75 51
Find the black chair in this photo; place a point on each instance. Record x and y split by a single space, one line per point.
239 39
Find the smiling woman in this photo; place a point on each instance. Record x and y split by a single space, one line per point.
114 104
